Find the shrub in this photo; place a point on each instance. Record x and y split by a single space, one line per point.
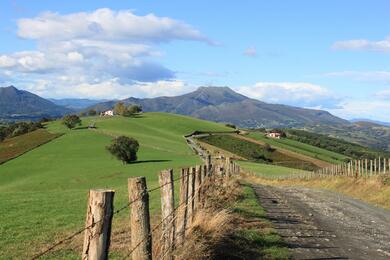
92 112
71 121
124 148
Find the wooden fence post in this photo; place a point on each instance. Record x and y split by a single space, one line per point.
197 187
99 218
167 211
183 202
141 239
191 184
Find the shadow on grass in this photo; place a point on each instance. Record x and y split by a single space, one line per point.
150 161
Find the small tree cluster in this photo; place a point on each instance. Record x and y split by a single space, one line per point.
124 148
123 110
71 121
19 128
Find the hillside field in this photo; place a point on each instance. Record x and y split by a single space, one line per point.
267 170
43 193
302 148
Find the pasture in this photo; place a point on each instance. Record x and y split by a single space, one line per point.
43 192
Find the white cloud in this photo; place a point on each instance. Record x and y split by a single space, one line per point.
362 44
371 109
383 95
291 93
106 24
107 49
250 52
377 76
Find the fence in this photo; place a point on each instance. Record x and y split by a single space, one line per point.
194 183
357 168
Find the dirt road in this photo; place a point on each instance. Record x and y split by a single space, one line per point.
319 224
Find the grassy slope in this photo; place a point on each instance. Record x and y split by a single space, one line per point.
43 192
267 170
16 146
251 151
302 148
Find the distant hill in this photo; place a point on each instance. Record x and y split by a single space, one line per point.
20 104
74 103
222 104
364 121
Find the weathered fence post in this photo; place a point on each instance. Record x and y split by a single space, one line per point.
183 204
191 191
167 211
141 239
197 187
98 223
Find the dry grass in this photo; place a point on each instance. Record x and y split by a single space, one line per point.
374 190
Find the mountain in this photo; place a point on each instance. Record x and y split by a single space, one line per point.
222 104
18 104
362 121
74 103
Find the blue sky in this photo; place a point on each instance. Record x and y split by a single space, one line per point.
332 55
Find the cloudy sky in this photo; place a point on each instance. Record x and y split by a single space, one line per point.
332 55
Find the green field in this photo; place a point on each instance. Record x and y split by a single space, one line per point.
43 192
255 152
302 148
268 170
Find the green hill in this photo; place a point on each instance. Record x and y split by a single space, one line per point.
43 192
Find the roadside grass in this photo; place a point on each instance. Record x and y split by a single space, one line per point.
374 190
302 148
255 152
257 234
13 147
268 170
43 193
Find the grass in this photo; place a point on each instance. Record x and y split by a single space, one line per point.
268 170
13 147
255 152
265 242
302 148
43 192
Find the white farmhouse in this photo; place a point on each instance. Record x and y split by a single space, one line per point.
107 113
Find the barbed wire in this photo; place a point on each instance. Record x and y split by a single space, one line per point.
73 235
188 201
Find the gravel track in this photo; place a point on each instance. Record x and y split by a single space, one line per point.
321 224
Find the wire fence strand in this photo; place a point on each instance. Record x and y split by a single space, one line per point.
73 235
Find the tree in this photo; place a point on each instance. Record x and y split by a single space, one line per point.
134 109
92 112
82 114
3 133
71 121
119 108
124 148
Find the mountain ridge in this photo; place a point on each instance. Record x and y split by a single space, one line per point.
222 104
21 104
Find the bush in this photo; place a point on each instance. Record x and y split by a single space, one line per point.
71 121
92 112
124 148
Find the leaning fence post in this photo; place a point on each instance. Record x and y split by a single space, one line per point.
167 210
98 224
141 239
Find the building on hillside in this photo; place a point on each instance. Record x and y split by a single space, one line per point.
276 135
107 113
